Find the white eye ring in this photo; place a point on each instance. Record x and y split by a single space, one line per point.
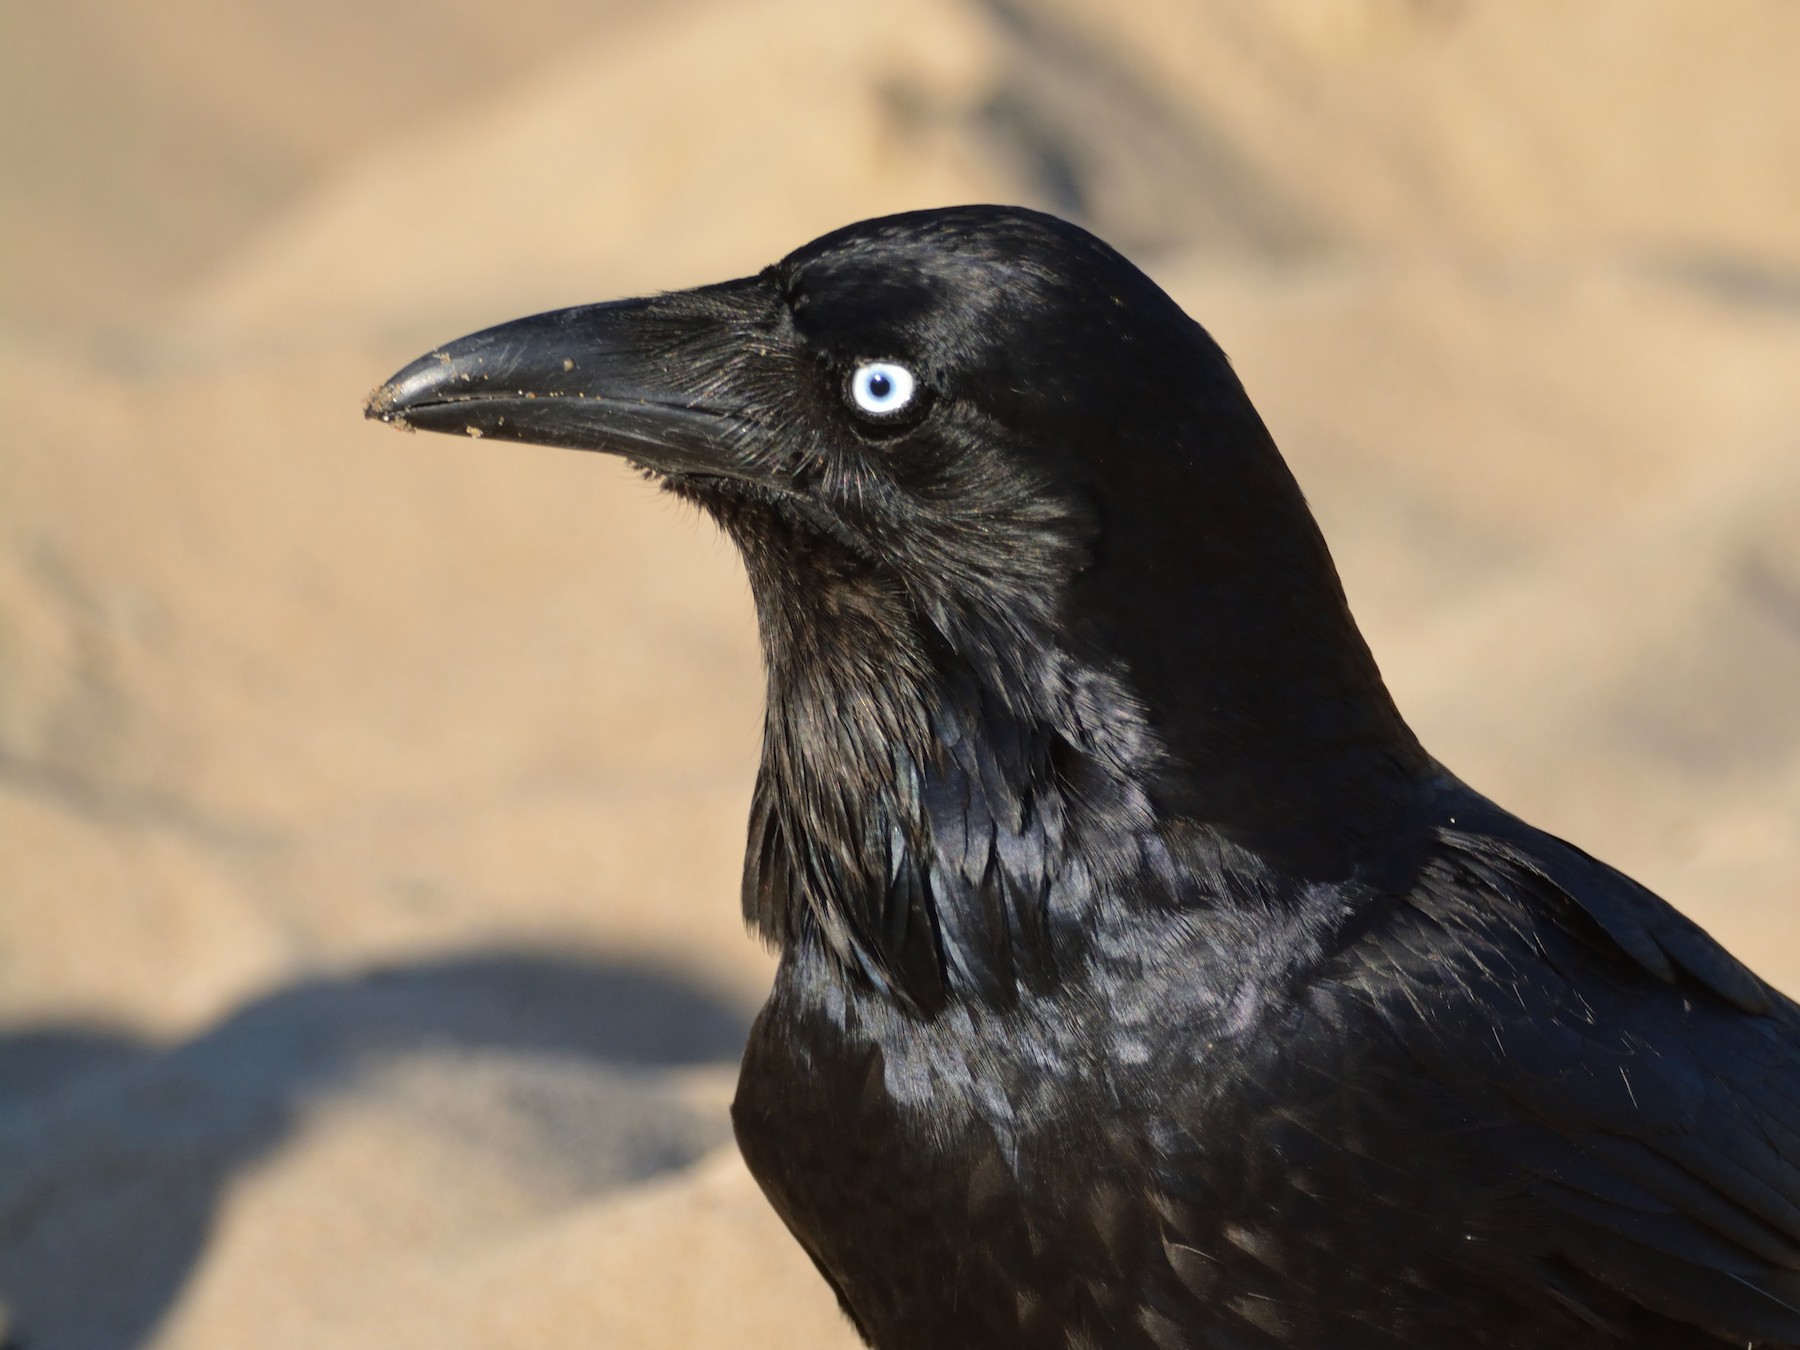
882 387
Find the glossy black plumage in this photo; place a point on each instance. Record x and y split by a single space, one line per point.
1143 982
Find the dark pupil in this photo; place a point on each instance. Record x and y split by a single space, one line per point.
880 385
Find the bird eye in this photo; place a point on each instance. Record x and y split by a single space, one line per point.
881 388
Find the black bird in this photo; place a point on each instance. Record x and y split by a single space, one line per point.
1143 982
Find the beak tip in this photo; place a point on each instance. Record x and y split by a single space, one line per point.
394 401
396 420
379 405
420 385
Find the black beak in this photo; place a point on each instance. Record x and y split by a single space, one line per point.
638 378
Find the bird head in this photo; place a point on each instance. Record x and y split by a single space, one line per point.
939 394
980 436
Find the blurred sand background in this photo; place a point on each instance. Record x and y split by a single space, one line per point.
371 807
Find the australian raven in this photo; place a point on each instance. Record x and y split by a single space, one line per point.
1143 982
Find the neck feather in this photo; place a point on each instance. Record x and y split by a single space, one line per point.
953 803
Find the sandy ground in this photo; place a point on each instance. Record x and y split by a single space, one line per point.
371 807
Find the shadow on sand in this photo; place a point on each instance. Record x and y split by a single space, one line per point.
114 1154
